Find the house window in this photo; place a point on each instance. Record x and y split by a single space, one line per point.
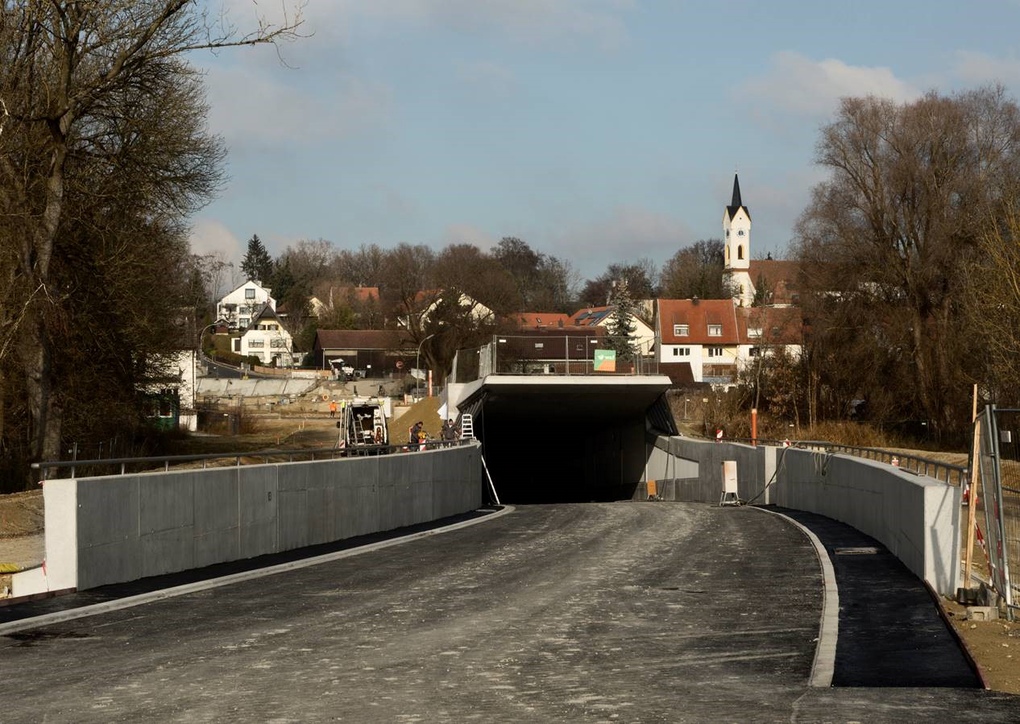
249 293
681 351
754 351
754 331
740 249
715 351
256 343
243 322
715 330
539 345
681 330
278 342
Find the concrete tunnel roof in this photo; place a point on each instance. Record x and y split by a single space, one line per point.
573 396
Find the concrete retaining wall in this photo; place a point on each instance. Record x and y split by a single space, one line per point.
691 470
114 529
916 517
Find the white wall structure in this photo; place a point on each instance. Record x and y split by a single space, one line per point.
239 306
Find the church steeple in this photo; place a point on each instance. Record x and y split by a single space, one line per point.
737 243
736 204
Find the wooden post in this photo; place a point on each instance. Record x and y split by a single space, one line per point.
754 426
972 499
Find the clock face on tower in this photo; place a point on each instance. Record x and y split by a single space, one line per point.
740 233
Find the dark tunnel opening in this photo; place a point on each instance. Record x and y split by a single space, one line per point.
566 446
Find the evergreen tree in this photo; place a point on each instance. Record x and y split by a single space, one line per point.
621 324
257 265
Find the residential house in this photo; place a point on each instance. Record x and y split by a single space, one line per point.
239 306
643 335
717 338
542 320
701 333
266 338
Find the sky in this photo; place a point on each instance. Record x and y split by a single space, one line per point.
598 131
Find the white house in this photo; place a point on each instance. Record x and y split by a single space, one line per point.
239 306
265 338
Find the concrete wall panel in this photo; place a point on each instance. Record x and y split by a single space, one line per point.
258 497
122 528
217 521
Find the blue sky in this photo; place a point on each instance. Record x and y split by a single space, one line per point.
598 131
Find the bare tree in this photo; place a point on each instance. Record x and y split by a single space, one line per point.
76 76
886 239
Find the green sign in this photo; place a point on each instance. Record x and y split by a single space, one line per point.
605 360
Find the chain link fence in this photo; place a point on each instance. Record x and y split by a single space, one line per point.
998 475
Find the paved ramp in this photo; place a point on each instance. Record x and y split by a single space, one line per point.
576 613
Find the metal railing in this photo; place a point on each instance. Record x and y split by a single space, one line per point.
945 472
159 464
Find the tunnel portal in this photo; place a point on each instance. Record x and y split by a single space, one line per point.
567 439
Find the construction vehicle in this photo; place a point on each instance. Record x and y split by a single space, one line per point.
362 427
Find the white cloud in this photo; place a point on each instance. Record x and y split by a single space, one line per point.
799 85
209 236
468 234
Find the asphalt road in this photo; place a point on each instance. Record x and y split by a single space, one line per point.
576 613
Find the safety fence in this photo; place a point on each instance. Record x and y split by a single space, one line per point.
123 466
584 352
997 492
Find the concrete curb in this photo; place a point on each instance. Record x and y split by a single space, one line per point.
144 598
828 631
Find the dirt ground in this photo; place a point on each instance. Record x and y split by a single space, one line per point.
994 645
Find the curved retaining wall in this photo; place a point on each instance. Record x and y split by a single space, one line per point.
113 529
916 517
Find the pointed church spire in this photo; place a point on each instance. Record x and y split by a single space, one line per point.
736 204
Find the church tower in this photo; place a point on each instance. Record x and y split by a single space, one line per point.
737 242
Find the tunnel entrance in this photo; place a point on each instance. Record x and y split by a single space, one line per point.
567 443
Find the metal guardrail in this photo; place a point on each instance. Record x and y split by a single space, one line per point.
141 465
945 472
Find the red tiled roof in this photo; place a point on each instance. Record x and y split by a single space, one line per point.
330 292
698 314
542 320
777 325
778 276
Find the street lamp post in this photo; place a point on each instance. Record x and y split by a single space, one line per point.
417 367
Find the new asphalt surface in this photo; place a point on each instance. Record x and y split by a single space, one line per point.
616 612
